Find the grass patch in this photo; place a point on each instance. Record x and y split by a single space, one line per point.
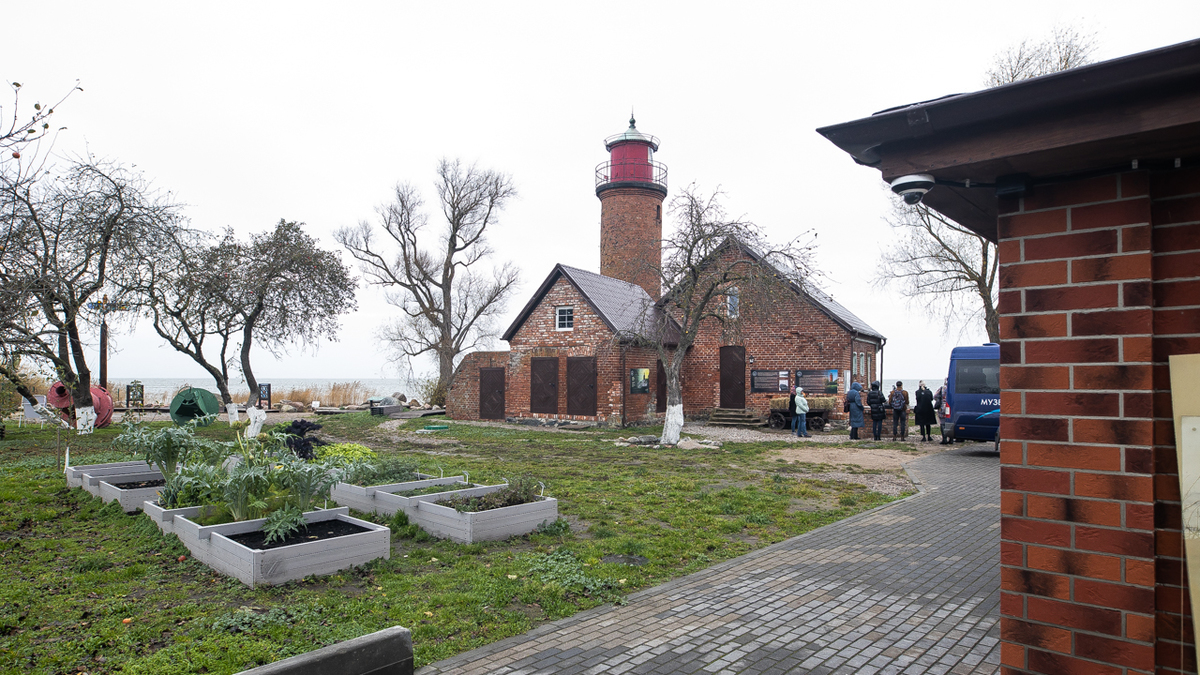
75 569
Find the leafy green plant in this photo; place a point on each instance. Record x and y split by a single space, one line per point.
559 527
246 491
194 485
561 567
283 523
522 490
168 447
345 454
382 472
305 482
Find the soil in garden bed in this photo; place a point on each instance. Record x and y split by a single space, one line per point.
137 485
435 489
326 529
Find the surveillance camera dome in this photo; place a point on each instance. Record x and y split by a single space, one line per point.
913 187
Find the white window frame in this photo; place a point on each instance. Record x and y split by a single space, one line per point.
567 311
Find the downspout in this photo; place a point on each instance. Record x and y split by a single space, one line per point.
621 379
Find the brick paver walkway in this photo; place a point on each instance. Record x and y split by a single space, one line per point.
911 587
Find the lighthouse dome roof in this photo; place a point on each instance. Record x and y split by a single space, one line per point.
631 135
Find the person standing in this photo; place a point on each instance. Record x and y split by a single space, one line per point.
855 404
898 402
800 416
792 411
939 400
923 410
877 401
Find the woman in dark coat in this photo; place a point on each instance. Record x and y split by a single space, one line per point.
923 410
876 400
854 398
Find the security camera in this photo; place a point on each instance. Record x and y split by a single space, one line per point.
913 188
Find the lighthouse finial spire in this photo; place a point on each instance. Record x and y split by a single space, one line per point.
632 122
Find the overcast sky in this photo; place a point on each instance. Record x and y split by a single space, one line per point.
252 112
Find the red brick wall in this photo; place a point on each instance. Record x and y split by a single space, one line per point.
462 401
1098 287
631 237
791 334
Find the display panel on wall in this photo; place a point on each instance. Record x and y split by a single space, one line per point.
769 380
818 381
639 380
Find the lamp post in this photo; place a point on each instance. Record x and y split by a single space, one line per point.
104 307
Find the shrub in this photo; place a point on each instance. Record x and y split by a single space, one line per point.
345 454
382 472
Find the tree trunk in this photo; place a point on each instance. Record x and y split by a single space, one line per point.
673 422
247 339
991 320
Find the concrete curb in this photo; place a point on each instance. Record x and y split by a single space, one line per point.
385 652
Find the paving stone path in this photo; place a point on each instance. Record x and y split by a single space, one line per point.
910 587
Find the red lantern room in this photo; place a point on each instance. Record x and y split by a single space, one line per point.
631 160
631 187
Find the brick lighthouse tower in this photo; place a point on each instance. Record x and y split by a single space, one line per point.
631 187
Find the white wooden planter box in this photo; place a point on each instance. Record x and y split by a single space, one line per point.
490 525
165 518
130 500
75 473
381 498
210 545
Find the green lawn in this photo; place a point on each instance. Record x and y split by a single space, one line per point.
90 589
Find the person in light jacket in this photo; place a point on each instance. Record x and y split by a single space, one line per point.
854 398
800 414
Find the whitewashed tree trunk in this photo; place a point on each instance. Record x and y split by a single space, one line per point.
672 425
85 420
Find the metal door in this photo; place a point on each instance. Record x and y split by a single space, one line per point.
491 393
581 385
733 377
543 385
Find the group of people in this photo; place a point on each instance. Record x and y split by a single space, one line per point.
925 409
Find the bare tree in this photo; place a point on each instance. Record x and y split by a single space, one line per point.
943 263
720 272
66 241
1064 48
185 300
284 289
448 303
945 266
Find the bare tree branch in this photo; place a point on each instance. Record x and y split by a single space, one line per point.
447 303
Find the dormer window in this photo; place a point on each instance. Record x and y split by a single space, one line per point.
564 318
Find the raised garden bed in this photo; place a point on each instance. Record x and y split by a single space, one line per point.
165 518
382 499
213 545
75 474
130 490
490 525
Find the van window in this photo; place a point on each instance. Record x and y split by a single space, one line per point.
977 376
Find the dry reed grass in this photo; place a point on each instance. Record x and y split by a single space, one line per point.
334 394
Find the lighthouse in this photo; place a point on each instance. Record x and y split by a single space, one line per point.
631 187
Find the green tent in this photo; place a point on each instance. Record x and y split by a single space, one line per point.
192 403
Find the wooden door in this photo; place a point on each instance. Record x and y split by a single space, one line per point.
660 404
543 385
491 393
581 385
733 377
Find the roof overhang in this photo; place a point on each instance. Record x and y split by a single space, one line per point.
1092 119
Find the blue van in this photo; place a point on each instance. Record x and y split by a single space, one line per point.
971 410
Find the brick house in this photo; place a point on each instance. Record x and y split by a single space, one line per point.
1088 181
571 357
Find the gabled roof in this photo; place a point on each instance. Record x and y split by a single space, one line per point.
822 300
624 307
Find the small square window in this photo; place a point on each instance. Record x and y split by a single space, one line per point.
565 318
